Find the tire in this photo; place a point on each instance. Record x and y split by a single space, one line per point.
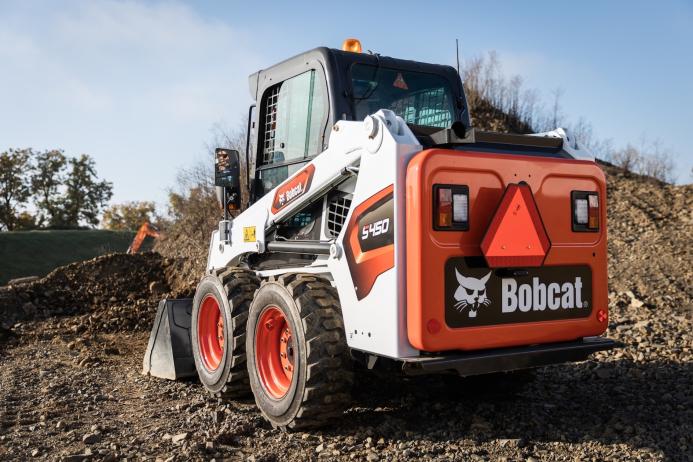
222 297
318 387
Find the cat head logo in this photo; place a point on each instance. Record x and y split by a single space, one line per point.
471 293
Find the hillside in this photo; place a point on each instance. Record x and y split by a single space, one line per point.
650 231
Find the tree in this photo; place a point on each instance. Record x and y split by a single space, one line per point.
14 185
128 216
48 177
85 194
25 221
650 159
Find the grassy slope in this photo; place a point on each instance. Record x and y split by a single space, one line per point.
36 253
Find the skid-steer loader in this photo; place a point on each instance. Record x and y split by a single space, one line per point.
382 228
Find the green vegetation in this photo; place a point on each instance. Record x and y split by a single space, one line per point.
66 191
36 253
129 216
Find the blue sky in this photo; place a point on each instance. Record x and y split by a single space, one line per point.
139 85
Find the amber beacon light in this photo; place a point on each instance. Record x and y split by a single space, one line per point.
351 44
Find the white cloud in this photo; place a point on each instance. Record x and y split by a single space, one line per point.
136 85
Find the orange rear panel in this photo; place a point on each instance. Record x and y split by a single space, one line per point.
429 251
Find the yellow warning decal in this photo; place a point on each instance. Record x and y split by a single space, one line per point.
249 234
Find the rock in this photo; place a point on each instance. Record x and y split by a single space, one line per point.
320 448
23 280
514 442
91 438
635 303
179 438
29 309
156 287
75 458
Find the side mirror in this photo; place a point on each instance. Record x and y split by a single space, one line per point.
227 175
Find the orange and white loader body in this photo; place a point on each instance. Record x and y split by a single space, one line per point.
447 251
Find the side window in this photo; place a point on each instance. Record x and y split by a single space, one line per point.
294 112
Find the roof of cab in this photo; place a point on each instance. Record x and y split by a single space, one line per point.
346 58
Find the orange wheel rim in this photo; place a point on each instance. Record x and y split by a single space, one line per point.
210 333
274 352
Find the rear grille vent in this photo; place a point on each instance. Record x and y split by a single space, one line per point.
336 214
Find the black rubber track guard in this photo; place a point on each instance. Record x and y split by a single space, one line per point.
508 359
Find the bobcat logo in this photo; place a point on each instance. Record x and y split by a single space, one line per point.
471 293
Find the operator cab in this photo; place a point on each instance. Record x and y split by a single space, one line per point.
300 99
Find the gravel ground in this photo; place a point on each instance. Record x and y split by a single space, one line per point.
76 396
71 347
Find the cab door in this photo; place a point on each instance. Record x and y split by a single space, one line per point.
290 129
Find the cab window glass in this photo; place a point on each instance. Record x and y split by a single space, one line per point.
417 97
294 114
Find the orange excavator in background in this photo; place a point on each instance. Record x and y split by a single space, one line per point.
147 229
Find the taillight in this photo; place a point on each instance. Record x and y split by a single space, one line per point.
450 207
585 211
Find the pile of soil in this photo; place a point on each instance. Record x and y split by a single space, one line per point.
112 285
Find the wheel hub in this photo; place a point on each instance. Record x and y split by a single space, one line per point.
274 352
210 333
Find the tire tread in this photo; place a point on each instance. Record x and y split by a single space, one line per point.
329 375
240 286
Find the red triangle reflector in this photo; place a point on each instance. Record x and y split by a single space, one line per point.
516 235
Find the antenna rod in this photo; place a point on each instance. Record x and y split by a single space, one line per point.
457 49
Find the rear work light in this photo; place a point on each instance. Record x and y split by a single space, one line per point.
585 211
450 207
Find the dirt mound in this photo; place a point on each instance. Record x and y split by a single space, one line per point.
650 227
100 284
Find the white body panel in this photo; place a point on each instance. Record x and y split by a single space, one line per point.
377 323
